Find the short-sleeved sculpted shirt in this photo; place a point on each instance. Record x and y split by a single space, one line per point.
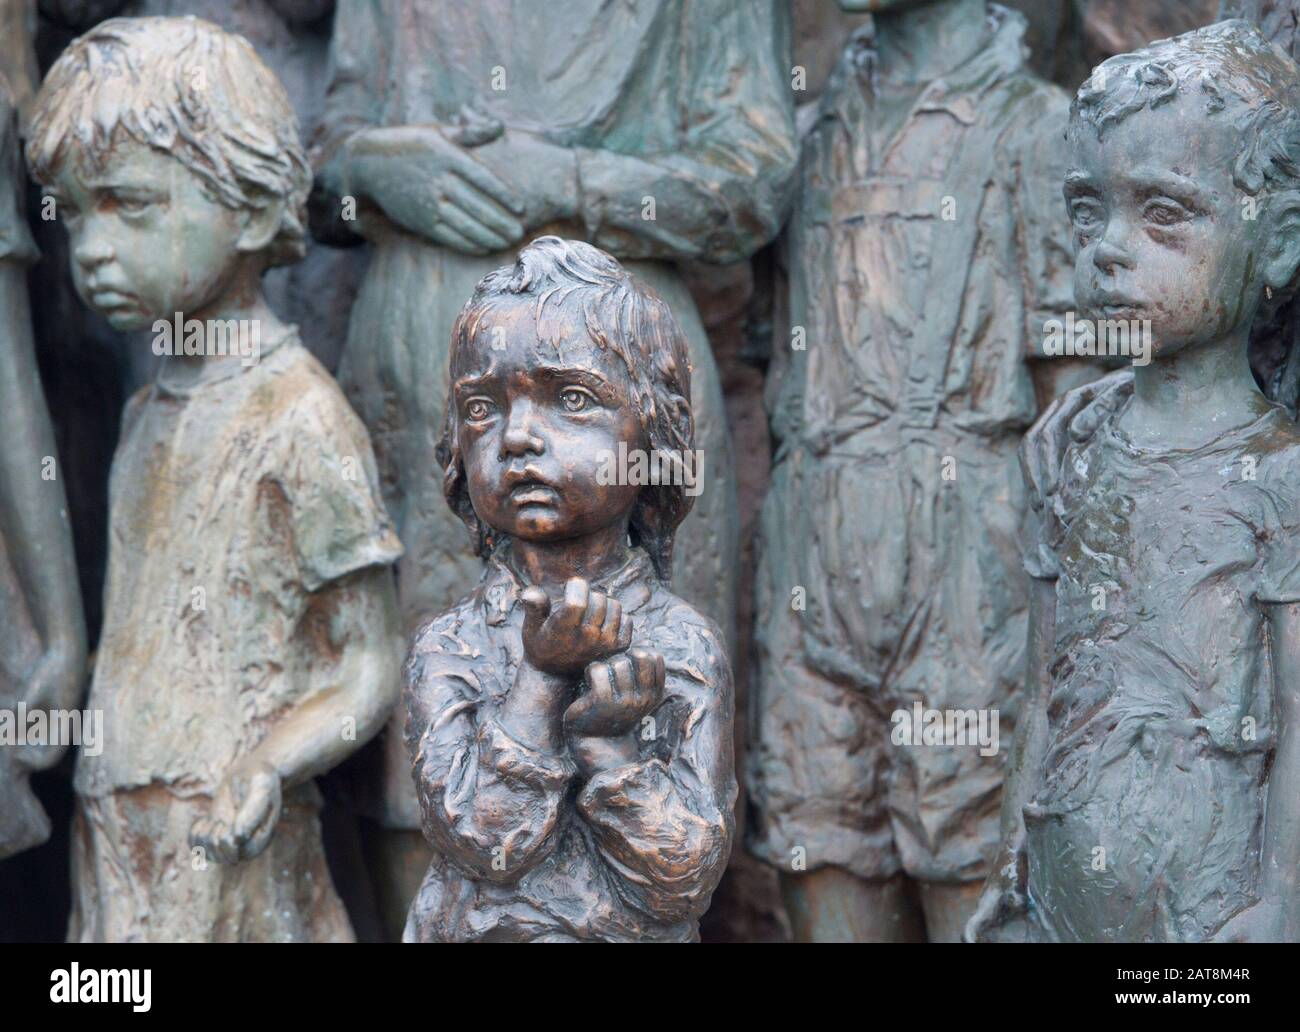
231 503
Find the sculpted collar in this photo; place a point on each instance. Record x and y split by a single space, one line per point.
632 583
229 369
958 91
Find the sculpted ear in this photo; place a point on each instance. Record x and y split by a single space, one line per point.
1282 254
683 418
260 227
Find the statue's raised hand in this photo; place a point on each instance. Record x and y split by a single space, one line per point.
620 691
562 637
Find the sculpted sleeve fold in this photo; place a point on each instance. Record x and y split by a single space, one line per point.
722 194
1280 576
337 518
1072 418
664 825
489 803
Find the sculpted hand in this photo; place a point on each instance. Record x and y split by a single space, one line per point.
243 815
620 691
552 174
582 627
432 186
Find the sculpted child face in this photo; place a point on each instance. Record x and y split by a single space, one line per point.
146 240
1160 228
535 416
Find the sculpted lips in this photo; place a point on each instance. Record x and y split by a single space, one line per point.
533 494
1112 304
104 297
528 488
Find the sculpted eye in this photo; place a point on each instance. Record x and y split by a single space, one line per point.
1165 213
576 399
477 409
1085 213
130 205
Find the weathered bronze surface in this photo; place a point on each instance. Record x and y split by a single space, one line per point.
42 632
926 250
250 619
292 37
1149 797
569 720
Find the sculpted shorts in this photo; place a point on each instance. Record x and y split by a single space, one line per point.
890 574
136 878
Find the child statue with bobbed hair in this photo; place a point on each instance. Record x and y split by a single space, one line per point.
250 636
569 722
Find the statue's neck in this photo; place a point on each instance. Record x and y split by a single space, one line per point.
1195 396
919 44
593 556
241 305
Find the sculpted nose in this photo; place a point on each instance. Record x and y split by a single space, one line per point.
1110 253
92 251
519 438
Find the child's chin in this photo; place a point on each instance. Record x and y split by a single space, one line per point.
539 526
1168 346
126 320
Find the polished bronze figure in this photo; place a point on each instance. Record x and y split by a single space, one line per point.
455 133
569 721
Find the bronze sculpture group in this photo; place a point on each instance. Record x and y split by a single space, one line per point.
1026 637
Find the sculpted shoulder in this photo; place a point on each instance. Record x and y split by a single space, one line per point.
1277 453
684 633
446 630
305 394
1040 98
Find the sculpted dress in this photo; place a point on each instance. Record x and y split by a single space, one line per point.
1161 701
